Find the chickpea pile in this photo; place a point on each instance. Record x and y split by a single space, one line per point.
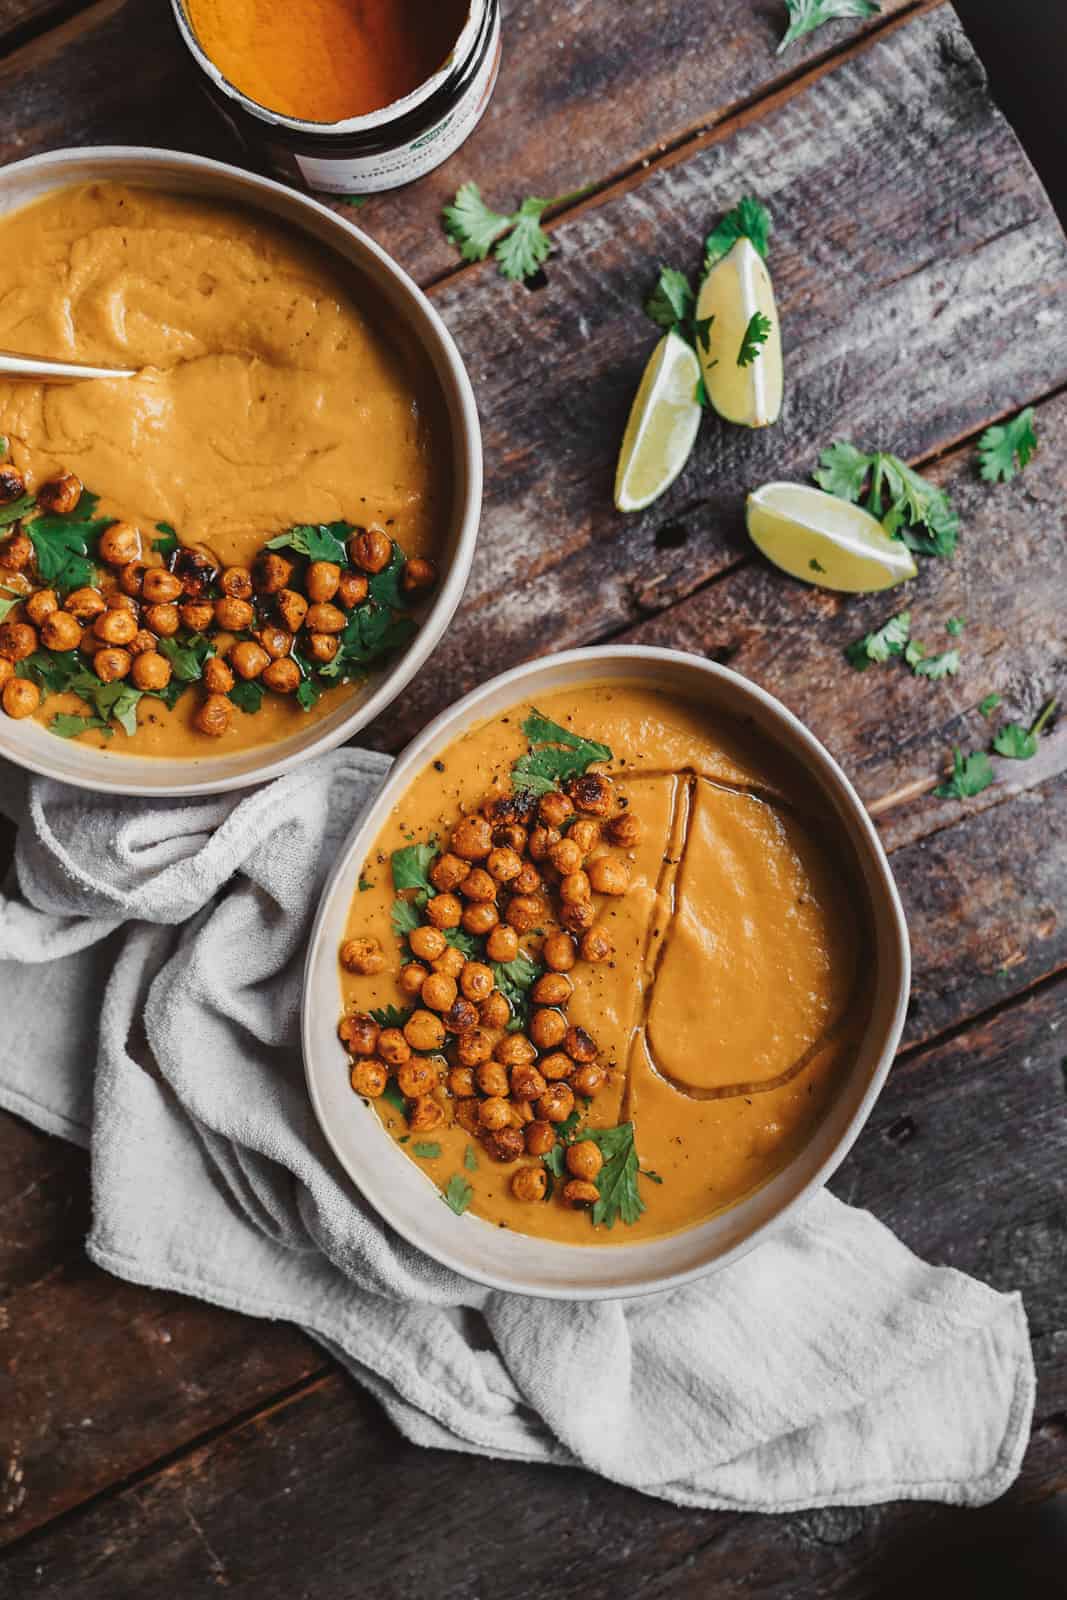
515 866
278 605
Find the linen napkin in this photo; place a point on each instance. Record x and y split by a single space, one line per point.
150 967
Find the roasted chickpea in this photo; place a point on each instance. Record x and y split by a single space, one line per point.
510 836
524 912
625 830
277 642
547 1028
60 495
416 1076
472 838
476 981
466 1114
596 944
322 647
541 840
558 953
565 857
505 1145
352 590
580 1045
492 1078
480 918
322 580
424 1115
583 1159
461 1083
233 615
362 955
424 1031
494 1012
115 627
494 1114
529 880
236 583
461 1016
557 1102
368 1078
248 659
131 578
585 833
478 885
609 875
16 552
12 483
7 670
272 572
444 911
218 679
417 574
20 698
593 793
556 1066
502 943
197 615
574 889
530 1183
411 979
523 1112
514 1050
527 1083
214 716
450 962
61 631
503 864
120 544
427 943
588 1080
540 1137
552 988
112 664
578 916
159 586
17 640
85 604
448 872
393 1047
371 550
474 1047
163 620
360 1034
142 640
150 670
292 608
325 618
438 992
117 601
283 677
554 809
580 1194
40 605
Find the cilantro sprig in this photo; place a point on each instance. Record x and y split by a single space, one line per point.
1006 448
807 15
62 544
672 303
555 755
458 1194
515 979
519 243
908 507
1019 743
617 1179
970 775
754 338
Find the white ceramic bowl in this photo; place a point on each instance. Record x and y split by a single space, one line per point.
31 745
406 1197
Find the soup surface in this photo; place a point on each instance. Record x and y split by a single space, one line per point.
272 389
726 1009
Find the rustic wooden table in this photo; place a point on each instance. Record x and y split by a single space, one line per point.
156 1446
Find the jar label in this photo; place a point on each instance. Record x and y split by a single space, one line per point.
388 169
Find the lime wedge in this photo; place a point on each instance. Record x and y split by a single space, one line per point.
734 290
821 539
662 425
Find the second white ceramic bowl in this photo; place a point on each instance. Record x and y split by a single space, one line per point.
406 1197
28 743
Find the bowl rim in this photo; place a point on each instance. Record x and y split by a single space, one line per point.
449 724
466 452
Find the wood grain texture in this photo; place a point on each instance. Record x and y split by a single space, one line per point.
963 1158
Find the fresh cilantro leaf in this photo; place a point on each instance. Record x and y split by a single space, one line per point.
61 546
427 1150
364 884
918 512
945 665
70 727
393 1094
470 1160
617 1179
989 704
53 671
391 1016
123 707
807 15
816 566
247 695
914 651
187 654
544 766
353 200
464 942
515 979
1015 742
324 542
970 775
553 1162
168 543
18 508
753 339
568 1128
410 867
384 588
843 470
527 247
1006 448
670 304
370 633
748 220
702 339
955 626
308 694
459 1194
8 602
521 244
888 640
404 918
471 224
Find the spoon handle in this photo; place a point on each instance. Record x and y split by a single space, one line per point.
14 366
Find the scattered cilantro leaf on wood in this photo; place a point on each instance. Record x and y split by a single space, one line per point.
545 764
945 665
410 868
909 508
807 15
247 695
989 704
1006 448
516 238
955 626
1018 743
524 250
617 1179
68 727
970 775
471 224
888 640
18 508
515 979
750 220
670 305
321 542
390 1016
427 1150
459 1194
754 338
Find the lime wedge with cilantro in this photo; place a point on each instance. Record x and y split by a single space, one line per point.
820 539
662 425
738 338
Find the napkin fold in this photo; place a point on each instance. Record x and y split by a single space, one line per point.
150 966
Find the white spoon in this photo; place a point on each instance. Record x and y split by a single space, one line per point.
13 366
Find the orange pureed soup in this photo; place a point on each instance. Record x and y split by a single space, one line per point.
327 60
684 994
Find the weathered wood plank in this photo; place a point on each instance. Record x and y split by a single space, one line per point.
963 1157
921 277
18 18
